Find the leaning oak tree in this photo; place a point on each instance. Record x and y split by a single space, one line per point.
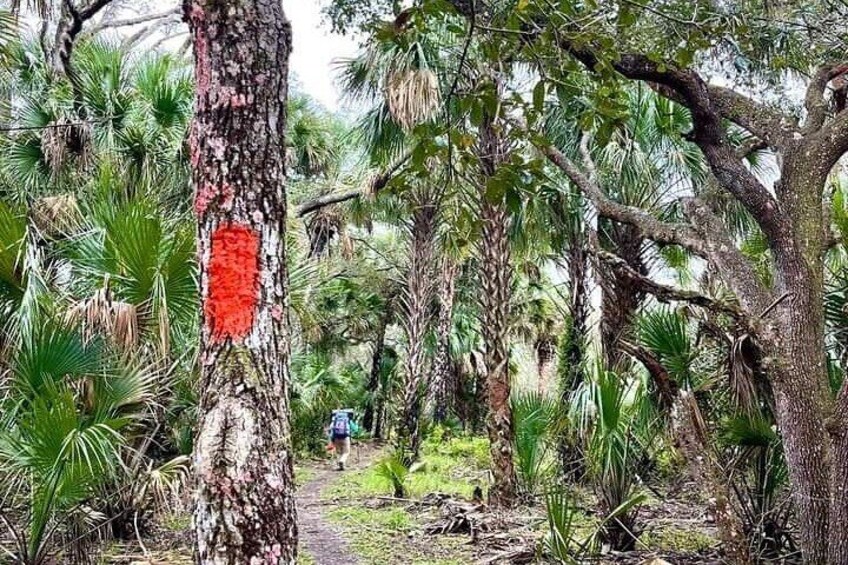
243 457
625 42
673 48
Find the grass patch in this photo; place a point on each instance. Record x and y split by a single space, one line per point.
176 521
391 535
453 466
302 475
677 539
305 558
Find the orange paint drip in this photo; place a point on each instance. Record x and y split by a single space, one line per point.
233 282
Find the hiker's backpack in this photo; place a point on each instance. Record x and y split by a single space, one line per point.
341 425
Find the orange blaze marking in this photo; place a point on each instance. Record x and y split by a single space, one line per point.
233 282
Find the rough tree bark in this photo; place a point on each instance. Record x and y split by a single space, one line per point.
620 298
495 295
442 387
244 504
416 299
788 319
373 386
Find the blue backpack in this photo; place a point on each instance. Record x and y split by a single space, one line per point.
340 426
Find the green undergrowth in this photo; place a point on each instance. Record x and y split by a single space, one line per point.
451 465
393 534
677 539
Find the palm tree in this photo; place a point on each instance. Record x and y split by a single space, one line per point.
496 281
399 72
416 301
443 384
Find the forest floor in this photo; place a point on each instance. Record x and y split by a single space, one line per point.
350 518
321 541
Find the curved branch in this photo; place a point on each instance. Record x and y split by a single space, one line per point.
377 184
814 101
648 225
111 24
662 292
708 105
772 126
70 25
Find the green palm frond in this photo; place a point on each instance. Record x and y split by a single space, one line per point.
148 257
664 333
537 420
51 354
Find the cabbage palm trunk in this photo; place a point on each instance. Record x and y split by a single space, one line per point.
444 375
495 293
244 503
620 297
572 354
417 298
373 387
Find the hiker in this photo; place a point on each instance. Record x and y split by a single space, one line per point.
341 428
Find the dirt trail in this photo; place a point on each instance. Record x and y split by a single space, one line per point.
321 539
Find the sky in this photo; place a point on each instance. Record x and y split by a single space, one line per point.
314 49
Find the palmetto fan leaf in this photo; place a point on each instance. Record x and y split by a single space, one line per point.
61 432
537 421
150 261
165 87
51 354
664 332
12 241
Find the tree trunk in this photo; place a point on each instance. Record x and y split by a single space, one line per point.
620 297
802 405
244 504
572 348
443 365
417 298
496 285
373 386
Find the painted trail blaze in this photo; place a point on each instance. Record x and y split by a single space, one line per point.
233 278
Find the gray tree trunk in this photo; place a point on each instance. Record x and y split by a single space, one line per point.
244 504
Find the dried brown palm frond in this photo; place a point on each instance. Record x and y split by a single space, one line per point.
63 139
57 215
101 314
164 327
412 96
54 146
324 225
161 487
743 385
371 185
346 244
